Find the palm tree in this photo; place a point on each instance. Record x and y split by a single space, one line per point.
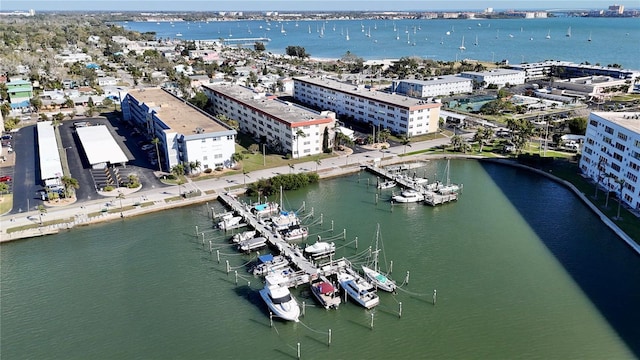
299 134
237 157
178 172
120 197
194 165
69 183
318 163
620 183
456 142
405 142
155 141
42 211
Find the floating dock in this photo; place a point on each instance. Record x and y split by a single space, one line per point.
431 197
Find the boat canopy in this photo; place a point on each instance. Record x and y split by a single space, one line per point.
265 258
326 288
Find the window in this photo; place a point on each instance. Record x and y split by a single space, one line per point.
593 123
622 136
608 130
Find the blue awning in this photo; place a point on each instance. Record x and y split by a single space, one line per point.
265 258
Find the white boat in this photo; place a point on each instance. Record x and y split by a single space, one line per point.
228 223
347 37
295 233
568 32
462 45
548 34
179 34
243 236
476 43
325 292
448 187
266 208
269 264
378 279
408 196
358 288
252 244
284 220
320 249
589 39
386 184
279 299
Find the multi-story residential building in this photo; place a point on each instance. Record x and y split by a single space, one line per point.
400 114
185 133
499 77
611 153
446 85
20 92
567 70
283 126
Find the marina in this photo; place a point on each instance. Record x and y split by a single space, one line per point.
515 280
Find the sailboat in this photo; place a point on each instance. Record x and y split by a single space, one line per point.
589 39
369 32
282 29
321 32
374 275
568 32
476 43
462 45
309 29
397 35
548 34
347 37
448 187
497 33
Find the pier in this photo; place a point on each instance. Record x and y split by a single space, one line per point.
432 195
294 254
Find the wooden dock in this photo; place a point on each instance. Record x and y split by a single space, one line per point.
431 196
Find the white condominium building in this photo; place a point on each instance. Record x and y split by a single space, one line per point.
186 133
446 85
285 127
611 154
400 114
499 77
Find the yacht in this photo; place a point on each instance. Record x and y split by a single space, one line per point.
268 264
320 249
279 299
408 196
252 244
359 289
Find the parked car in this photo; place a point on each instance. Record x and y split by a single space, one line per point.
147 147
7 137
5 178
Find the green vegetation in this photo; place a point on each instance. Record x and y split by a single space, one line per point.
272 186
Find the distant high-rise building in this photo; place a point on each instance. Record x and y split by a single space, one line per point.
615 8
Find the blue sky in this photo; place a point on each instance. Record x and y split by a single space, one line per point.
257 5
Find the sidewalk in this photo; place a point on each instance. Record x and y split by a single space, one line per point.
151 200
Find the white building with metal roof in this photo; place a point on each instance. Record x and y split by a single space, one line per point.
499 77
49 154
100 147
438 86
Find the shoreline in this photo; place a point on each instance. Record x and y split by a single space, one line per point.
80 219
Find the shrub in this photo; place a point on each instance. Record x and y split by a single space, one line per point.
208 170
219 168
108 188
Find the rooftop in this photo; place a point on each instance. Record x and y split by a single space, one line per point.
367 93
175 113
628 120
286 112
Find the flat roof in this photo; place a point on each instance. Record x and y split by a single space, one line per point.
444 79
628 120
50 165
175 113
366 93
100 146
284 111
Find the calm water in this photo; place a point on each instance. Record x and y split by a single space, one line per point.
614 41
522 270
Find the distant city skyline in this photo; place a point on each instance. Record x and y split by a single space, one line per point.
313 5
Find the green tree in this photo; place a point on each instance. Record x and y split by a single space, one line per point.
259 46
405 141
456 142
3 187
299 134
297 51
5 109
36 102
578 125
199 100
237 157
42 210
70 184
178 171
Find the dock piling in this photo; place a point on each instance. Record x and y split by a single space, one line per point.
270 319
400 309
390 266
303 308
196 230
329 344
298 350
372 321
406 279
218 255
434 297
228 269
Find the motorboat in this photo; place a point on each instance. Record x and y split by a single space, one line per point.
252 244
295 233
243 236
408 196
264 209
285 220
379 280
358 288
268 264
325 292
229 223
279 299
386 184
320 249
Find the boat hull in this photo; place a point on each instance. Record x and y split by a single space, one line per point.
289 311
378 280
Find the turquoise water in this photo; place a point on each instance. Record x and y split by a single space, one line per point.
521 267
614 40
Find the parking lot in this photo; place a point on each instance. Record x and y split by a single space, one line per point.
26 183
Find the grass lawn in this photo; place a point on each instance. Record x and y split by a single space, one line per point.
6 202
